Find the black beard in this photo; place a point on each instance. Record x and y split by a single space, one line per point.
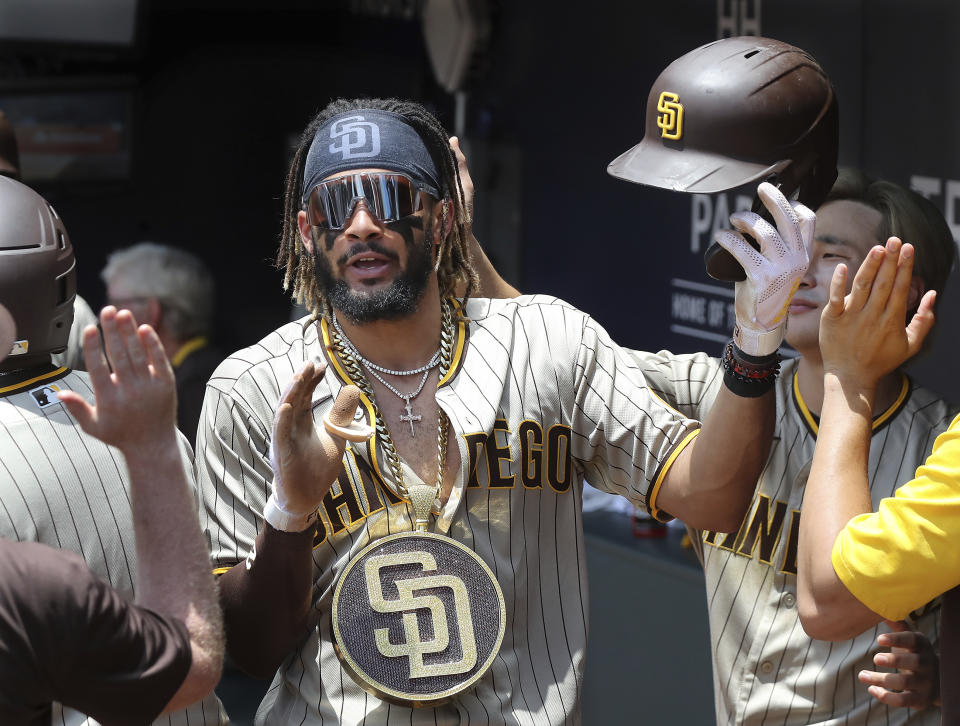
400 299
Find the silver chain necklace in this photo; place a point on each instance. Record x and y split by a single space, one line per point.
447 332
409 417
434 359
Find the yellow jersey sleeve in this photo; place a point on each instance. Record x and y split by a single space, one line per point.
900 557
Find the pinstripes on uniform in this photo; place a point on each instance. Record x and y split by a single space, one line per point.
66 489
537 394
766 669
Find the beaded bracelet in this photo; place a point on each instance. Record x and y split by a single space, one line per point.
747 375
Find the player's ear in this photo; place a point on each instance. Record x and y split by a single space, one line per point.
306 236
442 213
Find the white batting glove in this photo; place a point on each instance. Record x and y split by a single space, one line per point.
773 273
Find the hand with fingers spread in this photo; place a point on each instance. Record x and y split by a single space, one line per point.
305 459
862 335
142 380
773 273
916 684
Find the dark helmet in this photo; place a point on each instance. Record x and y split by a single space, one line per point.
733 112
38 274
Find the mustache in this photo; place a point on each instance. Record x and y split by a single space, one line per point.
371 246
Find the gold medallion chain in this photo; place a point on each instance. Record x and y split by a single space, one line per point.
353 367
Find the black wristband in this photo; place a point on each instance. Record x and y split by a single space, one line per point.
747 375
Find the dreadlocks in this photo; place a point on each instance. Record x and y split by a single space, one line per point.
454 261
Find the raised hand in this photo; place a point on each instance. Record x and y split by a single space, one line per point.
465 180
773 273
305 459
916 684
136 404
863 335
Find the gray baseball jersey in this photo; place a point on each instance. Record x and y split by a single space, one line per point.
766 670
66 489
538 396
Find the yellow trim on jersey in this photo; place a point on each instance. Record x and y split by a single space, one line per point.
877 422
221 570
366 402
655 489
802 405
186 349
37 379
663 401
895 406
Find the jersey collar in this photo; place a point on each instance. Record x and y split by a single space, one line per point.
879 421
16 381
191 346
459 348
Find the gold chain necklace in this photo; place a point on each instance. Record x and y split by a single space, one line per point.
423 498
435 647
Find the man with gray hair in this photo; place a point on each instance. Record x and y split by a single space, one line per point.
172 291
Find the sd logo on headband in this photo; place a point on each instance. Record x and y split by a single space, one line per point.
670 120
359 139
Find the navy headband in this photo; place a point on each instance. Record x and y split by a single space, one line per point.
369 139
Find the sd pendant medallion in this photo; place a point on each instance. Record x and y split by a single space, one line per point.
417 618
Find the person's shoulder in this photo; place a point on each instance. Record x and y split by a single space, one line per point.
927 406
256 375
481 310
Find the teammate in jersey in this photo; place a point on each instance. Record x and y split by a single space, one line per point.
756 108
766 669
533 391
59 485
67 635
856 565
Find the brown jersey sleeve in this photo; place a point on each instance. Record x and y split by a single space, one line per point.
68 636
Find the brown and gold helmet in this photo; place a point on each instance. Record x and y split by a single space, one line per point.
733 112
38 275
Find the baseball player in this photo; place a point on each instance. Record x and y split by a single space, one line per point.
497 407
856 565
776 119
766 669
67 635
58 485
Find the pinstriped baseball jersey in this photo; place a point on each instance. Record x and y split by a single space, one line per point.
537 396
64 488
766 670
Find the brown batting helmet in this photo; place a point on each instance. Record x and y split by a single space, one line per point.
733 112
38 275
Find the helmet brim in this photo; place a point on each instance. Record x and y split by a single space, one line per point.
687 170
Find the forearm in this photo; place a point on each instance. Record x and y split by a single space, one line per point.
267 600
837 490
712 484
170 546
173 563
